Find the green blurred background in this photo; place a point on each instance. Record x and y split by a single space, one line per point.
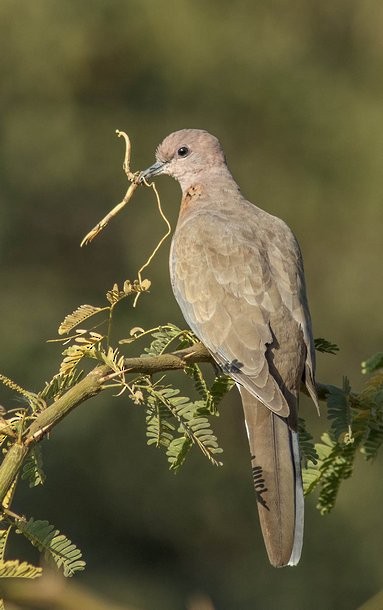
294 92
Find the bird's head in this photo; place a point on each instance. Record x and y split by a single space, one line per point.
185 155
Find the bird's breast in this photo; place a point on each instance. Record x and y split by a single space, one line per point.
191 198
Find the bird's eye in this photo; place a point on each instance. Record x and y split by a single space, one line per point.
183 151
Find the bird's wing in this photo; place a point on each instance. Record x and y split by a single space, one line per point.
230 290
286 265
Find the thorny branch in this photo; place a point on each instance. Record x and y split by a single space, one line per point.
90 386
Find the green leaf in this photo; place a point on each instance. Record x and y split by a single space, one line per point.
211 396
15 569
337 467
339 409
374 439
54 545
59 384
177 452
33 468
163 337
4 533
306 444
222 384
313 472
322 345
334 465
194 371
159 430
373 363
115 295
311 475
78 316
193 426
87 345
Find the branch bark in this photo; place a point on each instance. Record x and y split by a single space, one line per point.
90 386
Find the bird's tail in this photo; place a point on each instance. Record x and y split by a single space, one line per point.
277 479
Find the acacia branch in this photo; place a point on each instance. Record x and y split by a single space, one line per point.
90 386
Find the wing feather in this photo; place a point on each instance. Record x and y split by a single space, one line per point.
235 283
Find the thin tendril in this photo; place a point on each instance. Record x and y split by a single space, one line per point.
163 238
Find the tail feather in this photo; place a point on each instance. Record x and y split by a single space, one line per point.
277 480
299 501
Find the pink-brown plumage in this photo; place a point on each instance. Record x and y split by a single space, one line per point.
237 274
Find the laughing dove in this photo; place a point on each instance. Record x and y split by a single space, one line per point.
237 274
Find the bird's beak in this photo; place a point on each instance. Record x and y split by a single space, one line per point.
153 170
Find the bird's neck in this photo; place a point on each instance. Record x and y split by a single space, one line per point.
212 182
212 189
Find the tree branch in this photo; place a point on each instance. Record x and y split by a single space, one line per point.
91 385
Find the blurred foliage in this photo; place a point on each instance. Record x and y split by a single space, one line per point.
293 90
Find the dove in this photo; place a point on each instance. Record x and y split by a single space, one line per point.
237 275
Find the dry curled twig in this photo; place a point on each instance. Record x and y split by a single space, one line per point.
135 182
